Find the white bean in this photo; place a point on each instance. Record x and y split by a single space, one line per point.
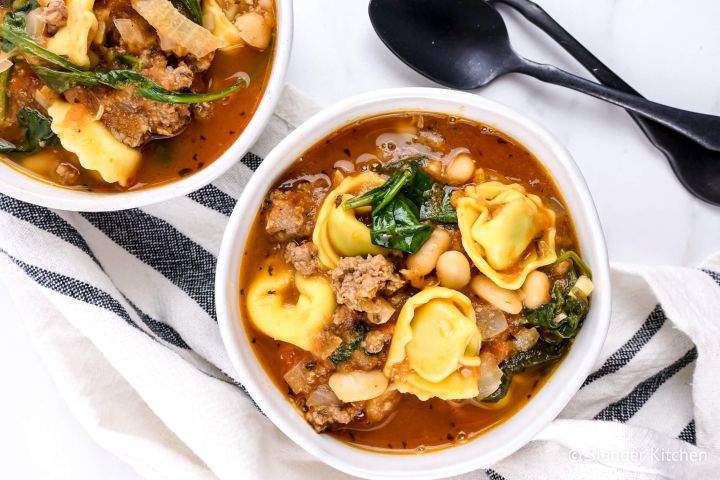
453 270
460 170
506 300
358 385
254 30
423 261
536 290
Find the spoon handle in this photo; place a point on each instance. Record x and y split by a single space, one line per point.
536 15
701 127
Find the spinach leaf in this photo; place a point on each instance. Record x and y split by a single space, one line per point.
24 5
436 205
433 198
12 31
567 308
563 315
542 352
38 134
401 204
121 79
396 226
131 61
189 8
343 353
577 261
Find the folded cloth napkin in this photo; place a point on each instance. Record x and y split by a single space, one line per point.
120 307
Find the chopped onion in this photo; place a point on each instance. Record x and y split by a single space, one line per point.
525 338
490 320
177 28
583 285
34 26
323 396
297 376
5 64
45 97
490 375
129 31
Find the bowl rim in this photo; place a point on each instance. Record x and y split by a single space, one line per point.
38 192
566 379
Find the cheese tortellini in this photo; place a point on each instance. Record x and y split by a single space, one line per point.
337 232
298 323
435 346
215 20
73 39
96 148
506 231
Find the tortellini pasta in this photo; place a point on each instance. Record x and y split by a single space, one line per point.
435 346
215 20
506 231
73 39
96 148
337 232
298 323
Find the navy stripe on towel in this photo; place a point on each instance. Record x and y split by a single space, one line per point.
165 249
47 220
74 288
493 475
688 433
252 161
714 275
624 409
161 329
214 198
624 354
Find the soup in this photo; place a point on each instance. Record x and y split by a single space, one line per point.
411 281
130 102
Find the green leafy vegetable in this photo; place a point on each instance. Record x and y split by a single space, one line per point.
577 261
24 5
130 61
396 226
189 8
568 306
12 31
343 353
122 79
543 352
37 133
399 206
436 205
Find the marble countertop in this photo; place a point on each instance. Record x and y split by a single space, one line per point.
666 49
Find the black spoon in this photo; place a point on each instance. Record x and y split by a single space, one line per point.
464 44
697 168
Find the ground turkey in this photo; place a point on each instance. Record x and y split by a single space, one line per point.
289 215
322 417
377 338
54 13
358 283
303 258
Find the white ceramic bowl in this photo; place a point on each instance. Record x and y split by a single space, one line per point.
27 189
502 440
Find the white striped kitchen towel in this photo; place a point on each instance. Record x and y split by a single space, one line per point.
120 307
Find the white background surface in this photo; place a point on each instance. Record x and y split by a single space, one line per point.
668 50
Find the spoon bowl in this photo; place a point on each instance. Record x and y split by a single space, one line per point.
464 44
